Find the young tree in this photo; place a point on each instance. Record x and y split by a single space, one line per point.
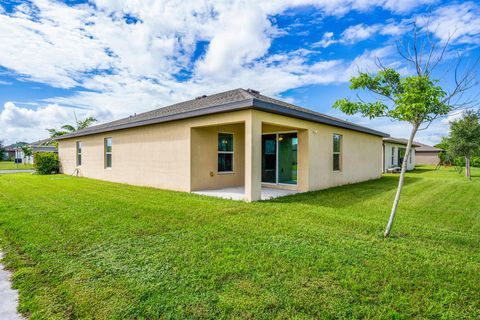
464 139
417 99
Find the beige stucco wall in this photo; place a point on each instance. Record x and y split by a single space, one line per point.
156 155
204 167
427 158
180 155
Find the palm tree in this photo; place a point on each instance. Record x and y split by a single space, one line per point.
65 129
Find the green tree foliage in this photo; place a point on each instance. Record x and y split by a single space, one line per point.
464 139
66 129
46 162
414 99
27 150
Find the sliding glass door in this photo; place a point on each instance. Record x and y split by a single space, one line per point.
287 158
269 158
279 158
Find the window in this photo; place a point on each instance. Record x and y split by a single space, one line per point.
225 152
337 152
393 156
108 152
79 153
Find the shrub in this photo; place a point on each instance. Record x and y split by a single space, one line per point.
459 161
46 162
475 162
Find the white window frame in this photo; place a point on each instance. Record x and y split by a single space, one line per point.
227 152
340 162
78 152
105 153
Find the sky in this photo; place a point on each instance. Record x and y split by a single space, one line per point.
113 58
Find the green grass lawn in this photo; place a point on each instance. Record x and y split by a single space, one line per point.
84 248
11 165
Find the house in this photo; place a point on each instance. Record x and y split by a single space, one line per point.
237 142
15 152
394 152
9 153
427 154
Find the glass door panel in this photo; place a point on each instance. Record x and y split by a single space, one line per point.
269 158
401 155
287 158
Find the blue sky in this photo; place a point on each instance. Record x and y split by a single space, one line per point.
111 58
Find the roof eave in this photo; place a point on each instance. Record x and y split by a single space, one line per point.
275 108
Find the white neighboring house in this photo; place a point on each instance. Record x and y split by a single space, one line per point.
393 153
15 152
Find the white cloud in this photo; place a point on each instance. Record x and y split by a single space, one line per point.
120 68
360 32
404 6
326 41
460 21
22 124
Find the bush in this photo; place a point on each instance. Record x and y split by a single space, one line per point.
475 162
46 162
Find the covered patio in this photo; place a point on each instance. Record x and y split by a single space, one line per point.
249 157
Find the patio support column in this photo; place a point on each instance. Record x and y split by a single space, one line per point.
253 158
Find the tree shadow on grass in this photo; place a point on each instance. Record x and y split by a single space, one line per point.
348 195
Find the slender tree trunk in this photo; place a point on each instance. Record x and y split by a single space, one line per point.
467 168
401 181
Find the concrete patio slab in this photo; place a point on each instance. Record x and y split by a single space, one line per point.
238 193
8 296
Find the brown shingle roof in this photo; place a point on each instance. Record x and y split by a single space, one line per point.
237 99
426 148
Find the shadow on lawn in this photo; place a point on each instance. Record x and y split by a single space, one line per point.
348 195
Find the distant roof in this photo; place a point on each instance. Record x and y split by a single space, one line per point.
233 100
400 141
426 148
15 145
41 143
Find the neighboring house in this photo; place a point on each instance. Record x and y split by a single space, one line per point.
15 152
9 153
235 139
427 154
394 152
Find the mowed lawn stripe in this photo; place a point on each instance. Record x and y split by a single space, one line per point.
84 248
